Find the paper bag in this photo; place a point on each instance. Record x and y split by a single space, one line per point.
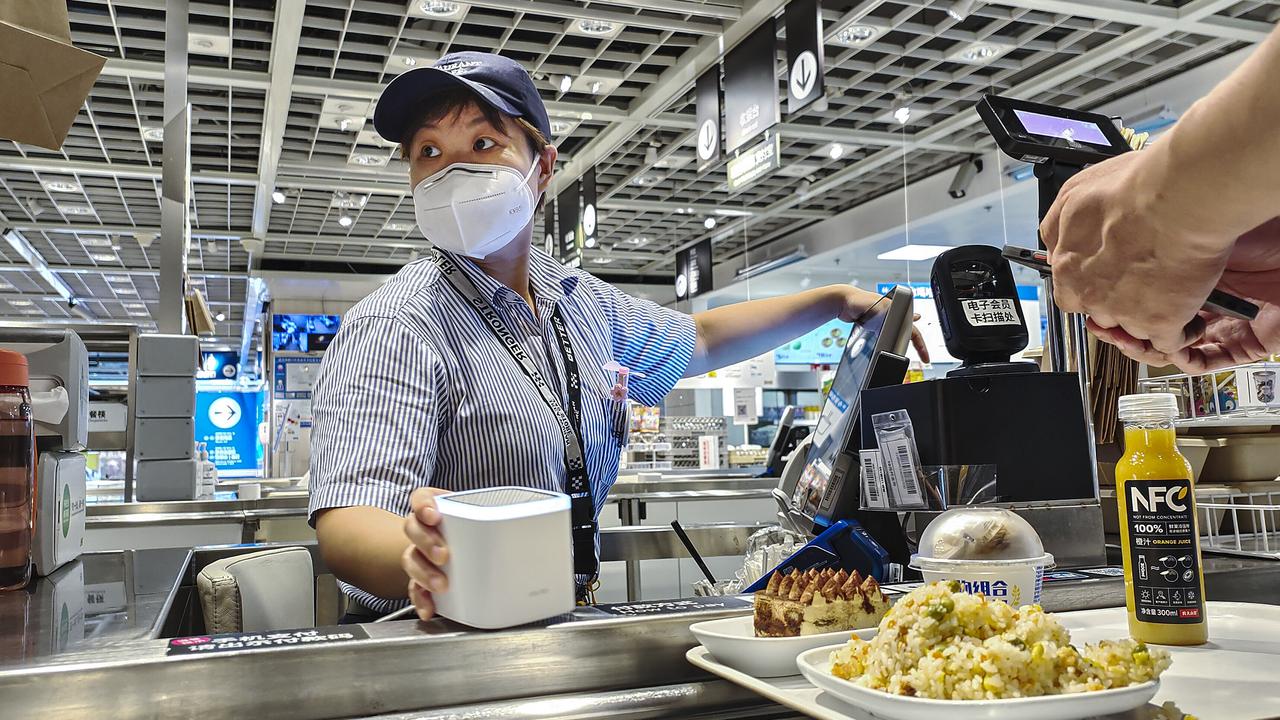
44 79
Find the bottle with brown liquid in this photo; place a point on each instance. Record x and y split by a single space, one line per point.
17 471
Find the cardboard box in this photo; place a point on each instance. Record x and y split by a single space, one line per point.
45 78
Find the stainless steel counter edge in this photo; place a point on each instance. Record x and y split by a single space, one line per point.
408 666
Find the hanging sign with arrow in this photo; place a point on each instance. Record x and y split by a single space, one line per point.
804 54
707 100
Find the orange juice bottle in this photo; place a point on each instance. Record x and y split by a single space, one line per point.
1164 584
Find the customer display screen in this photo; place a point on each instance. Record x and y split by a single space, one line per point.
840 410
1060 127
303 333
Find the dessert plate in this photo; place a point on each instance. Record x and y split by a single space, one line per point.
815 665
733 642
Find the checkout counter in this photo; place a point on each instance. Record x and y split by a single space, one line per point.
117 659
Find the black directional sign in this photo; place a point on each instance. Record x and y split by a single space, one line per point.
693 270
708 106
549 227
751 87
567 207
589 215
804 54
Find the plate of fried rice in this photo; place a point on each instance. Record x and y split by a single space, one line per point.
940 652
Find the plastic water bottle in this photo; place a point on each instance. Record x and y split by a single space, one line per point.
17 471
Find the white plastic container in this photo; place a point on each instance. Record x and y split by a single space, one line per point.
989 550
510 556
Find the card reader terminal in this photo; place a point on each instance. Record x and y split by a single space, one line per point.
1037 133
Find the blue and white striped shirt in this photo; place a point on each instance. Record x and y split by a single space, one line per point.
416 392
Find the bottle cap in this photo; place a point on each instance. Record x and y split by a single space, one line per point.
1148 406
13 368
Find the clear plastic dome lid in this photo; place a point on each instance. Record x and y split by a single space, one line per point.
982 534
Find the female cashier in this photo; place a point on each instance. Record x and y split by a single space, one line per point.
485 364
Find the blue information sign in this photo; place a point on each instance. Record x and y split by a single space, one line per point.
228 420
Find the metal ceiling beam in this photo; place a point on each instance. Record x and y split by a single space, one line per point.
722 11
286 31
1143 15
154 71
130 171
572 12
100 270
698 208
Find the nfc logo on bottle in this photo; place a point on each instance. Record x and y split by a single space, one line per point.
1173 496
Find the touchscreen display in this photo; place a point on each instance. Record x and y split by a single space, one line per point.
1060 127
840 410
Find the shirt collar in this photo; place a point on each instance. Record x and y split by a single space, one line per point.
548 278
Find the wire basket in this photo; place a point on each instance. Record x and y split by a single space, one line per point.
1242 522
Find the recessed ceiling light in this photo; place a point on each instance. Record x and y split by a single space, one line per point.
560 128
220 317
96 241
32 311
125 291
346 201
134 306
154 134
61 186
902 114
599 28
104 257
836 152
117 278
20 303
638 241
960 9
438 9
913 252
566 82
602 260
709 223
75 210
732 212
978 53
345 220
277 196
595 84
139 313
368 159
209 41
398 227
644 180
858 34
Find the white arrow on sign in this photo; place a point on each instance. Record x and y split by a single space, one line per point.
224 413
804 75
707 139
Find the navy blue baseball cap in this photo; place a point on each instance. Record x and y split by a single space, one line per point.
501 82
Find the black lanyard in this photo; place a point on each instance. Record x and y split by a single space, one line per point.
582 509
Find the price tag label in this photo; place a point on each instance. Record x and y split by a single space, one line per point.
902 474
873 481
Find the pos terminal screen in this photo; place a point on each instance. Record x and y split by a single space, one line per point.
1061 127
840 410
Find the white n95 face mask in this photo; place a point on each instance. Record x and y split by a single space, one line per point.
474 209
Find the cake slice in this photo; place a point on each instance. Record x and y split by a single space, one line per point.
817 601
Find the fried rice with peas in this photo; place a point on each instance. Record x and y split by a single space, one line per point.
938 642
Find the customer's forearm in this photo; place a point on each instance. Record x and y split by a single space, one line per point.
1219 167
363 546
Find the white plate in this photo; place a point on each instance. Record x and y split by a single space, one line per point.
733 641
816 667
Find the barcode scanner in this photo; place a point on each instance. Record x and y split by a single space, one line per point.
979 311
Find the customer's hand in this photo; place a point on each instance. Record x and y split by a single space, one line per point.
1253 272
858 302
1127 260
426 553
